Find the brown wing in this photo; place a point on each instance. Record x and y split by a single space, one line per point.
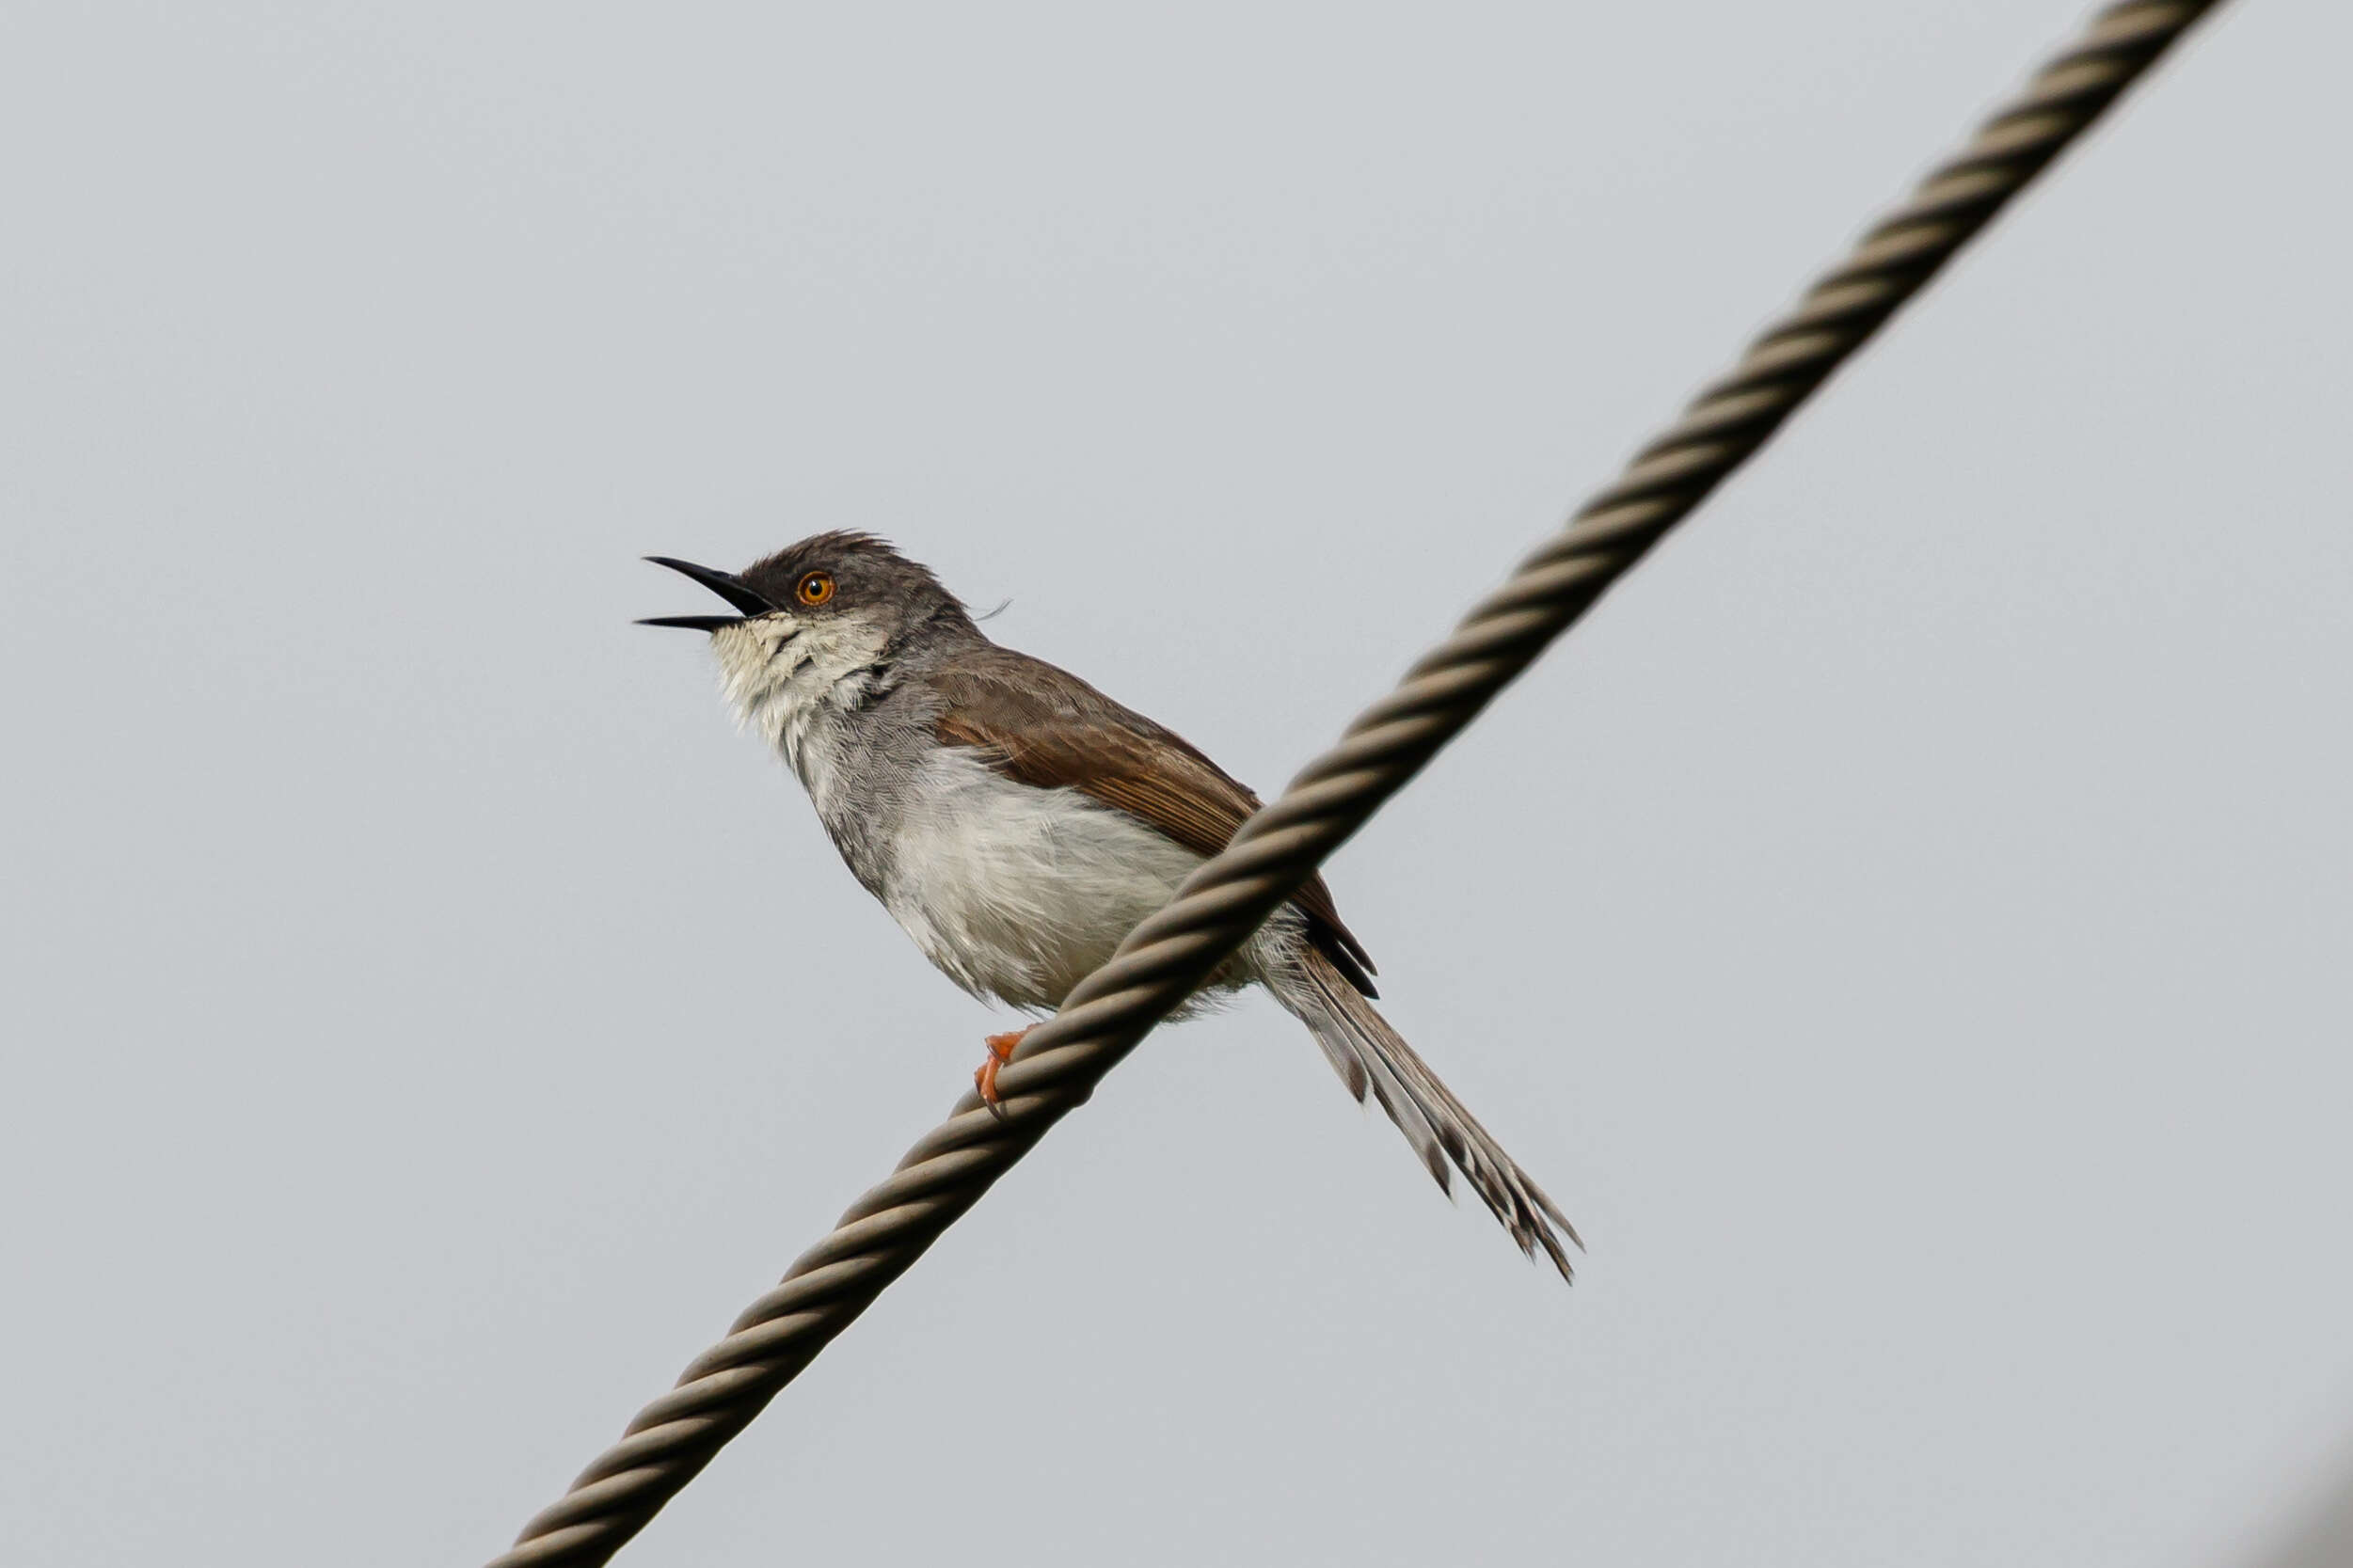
1046 727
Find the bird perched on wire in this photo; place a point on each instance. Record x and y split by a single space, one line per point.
1017 823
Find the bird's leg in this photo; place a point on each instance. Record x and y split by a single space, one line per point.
1000 1052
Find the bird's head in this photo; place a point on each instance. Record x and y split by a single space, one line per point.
835 608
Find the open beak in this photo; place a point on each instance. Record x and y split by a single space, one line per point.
726 584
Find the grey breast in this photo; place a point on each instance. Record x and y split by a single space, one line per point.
874 754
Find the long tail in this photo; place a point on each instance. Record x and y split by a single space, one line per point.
1369 1056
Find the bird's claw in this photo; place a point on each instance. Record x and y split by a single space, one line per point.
984 1076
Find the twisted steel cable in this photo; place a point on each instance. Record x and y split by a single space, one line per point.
1056 1067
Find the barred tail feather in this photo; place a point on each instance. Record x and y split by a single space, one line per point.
1370 1057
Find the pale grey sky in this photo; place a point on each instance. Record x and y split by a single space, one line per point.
1907 927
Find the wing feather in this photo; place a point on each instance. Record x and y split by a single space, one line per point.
1045 726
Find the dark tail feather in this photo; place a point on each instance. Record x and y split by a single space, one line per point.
1369 1056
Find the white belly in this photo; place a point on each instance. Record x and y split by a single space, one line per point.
1016 891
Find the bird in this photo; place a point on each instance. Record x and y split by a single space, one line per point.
1017 824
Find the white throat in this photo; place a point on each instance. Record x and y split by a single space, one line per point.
787 678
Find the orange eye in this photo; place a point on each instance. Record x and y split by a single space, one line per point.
816 588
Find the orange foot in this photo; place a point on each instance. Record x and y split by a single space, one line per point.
1000 1052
